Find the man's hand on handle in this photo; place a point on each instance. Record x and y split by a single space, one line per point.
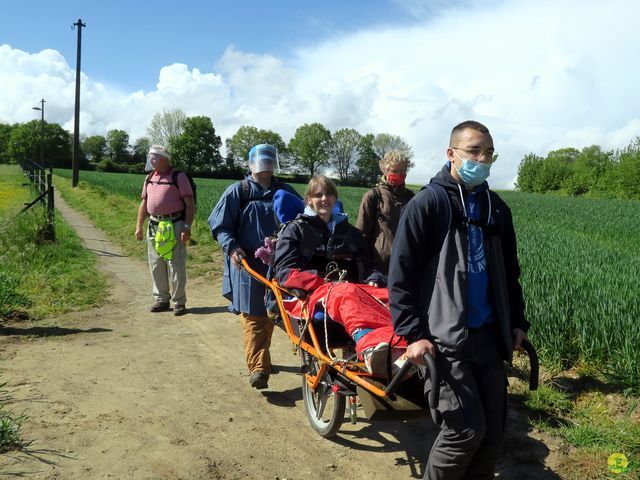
518 336
236 257
416 351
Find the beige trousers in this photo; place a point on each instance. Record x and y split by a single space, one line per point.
169 276
257 332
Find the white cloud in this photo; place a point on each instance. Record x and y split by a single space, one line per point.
541 75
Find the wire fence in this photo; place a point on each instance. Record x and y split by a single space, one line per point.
40 179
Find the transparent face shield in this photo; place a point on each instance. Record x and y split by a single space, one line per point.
152 161
263 159
148 166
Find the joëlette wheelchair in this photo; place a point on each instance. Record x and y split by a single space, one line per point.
333 382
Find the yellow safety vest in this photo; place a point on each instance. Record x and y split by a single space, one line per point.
165 239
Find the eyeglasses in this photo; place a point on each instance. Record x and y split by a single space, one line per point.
478 153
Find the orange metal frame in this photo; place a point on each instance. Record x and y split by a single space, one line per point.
349 370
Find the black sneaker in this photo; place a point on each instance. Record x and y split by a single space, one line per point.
179 310
259 379
160 307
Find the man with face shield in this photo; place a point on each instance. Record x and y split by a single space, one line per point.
454 292
240 221
167 199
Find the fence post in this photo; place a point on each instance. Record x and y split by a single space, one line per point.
51 227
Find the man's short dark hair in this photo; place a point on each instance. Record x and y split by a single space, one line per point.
472 124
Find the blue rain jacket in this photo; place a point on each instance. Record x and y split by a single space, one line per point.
237 222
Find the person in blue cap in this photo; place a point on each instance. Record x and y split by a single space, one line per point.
240 221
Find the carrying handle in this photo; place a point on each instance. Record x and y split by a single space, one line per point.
533 362
434 395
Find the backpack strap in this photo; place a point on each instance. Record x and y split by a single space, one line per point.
377 196
442 199
443 204
245 192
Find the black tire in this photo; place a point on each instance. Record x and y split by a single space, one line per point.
325 409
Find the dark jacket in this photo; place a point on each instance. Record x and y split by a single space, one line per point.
307 245
427 277
378 219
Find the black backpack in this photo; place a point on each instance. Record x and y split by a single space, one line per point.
174 182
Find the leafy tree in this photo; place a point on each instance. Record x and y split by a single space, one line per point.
58 147
248 136
166 126
629 170
118 146
528 172
368 163
94 147
197 149
552 174
24 144
140 150
310 147
5 133
344 151
587 169
385 142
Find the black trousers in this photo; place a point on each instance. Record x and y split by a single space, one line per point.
473 404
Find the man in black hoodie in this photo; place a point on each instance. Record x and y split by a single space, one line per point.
454 293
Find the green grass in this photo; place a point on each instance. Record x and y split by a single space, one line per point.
593 424
39 278
10 425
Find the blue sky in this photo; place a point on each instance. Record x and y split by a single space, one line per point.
541 75
126 42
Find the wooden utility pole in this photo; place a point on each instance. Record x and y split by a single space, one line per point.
76 122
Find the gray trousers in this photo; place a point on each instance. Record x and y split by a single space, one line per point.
473 404
169 277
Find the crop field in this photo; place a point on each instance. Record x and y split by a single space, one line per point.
580 260
209 189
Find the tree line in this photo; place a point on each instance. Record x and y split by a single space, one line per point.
351 156
590 171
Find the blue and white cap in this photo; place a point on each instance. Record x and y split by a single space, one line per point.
263 158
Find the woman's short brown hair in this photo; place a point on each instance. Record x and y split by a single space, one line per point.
325 183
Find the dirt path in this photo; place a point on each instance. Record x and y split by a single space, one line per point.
118 392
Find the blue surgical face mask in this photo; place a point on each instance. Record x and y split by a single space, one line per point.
472 172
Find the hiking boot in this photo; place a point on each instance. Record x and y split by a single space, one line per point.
160 307
259 379
179 310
